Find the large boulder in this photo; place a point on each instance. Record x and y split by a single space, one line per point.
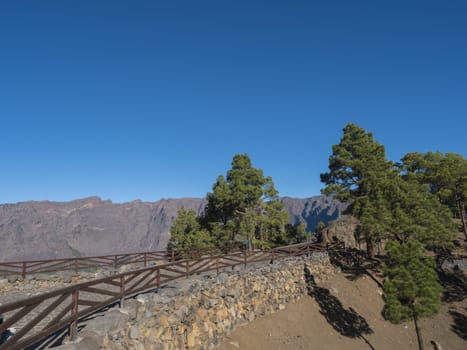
343 230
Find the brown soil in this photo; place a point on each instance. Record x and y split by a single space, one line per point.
346 314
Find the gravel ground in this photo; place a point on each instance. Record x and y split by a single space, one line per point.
347 315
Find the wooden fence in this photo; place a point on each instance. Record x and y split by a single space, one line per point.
23 268
41 316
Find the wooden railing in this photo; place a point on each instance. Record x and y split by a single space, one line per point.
23 268
40 316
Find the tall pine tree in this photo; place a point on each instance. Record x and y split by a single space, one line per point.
411 288
446 176
245 206
389 206
358 174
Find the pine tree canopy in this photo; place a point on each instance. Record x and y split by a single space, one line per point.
444 174
186 232
243 206
358 174
411 288
388 205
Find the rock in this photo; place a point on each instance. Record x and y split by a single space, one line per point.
342 230
82 344
213 302
199 314
169 292
141 298
14 278
182 312
66 277
233 292
223 277
99 327
134 332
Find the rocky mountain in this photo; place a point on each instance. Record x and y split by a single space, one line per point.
92 226
312 210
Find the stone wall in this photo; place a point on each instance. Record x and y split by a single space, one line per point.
199 312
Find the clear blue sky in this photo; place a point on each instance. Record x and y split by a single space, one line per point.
151 99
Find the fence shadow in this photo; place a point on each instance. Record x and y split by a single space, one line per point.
355 264
454 283
345 321
460 324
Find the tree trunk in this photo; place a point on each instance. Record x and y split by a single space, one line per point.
323 236
252 244
370 249
461 208
419 334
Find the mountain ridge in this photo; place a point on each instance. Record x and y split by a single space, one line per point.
93 226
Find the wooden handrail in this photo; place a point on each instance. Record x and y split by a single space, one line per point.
72 303
28 267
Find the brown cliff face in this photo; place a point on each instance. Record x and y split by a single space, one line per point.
91 226
312 210
343 230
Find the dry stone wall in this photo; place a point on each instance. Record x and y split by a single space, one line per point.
199 312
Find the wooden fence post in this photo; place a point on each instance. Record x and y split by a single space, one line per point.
158 271
217 264
187 266
115 262
74 315
23 270
122 290
145 260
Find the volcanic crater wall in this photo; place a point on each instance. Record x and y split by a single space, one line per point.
92 226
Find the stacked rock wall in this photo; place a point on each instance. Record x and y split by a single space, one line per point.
199 312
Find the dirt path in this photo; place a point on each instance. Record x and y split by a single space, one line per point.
347 315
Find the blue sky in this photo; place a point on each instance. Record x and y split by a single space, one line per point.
151 99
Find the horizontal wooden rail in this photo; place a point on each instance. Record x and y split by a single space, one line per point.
29 267
40 316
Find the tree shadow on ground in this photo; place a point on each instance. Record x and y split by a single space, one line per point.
347 322
460 324
454 284
354 264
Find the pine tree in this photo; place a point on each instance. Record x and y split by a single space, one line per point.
297 233
446 176
358 174
186 232
388 205
411 289
245 206
417 215
319 227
